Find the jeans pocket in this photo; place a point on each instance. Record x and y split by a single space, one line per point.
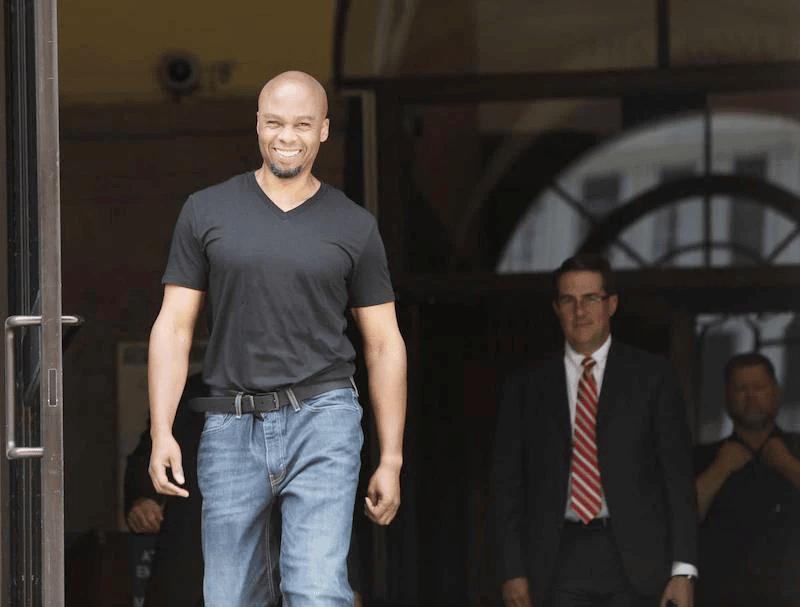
217 421
341 398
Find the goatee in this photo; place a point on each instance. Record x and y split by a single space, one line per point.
284 174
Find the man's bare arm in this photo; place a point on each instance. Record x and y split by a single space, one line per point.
385 355
167 368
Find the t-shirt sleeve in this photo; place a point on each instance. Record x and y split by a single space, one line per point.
370 284
187 264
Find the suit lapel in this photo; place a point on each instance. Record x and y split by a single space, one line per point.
611 390
559 398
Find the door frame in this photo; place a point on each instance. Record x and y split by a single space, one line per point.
51 375
4 312
49 197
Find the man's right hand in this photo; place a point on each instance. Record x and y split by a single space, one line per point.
145 516
732 456
516 593
166 453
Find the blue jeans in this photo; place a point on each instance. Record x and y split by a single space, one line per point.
278 492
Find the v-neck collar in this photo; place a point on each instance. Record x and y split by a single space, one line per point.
274 208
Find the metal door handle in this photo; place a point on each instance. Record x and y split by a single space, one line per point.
12 322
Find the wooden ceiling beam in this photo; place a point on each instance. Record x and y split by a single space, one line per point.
472 88
699 290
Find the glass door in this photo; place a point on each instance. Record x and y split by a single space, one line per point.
31 468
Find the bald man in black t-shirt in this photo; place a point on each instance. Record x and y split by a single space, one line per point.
278 259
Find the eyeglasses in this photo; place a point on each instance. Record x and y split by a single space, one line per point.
571 302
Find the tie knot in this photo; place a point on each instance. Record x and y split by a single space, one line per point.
588 363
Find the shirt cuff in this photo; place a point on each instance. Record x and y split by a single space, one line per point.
679 568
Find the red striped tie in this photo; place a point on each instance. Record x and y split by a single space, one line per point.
586 491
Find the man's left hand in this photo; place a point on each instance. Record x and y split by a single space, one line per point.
777 456
383 494
679 590
774 452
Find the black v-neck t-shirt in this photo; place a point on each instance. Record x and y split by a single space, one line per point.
278 283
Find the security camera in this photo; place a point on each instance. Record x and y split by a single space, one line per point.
179 72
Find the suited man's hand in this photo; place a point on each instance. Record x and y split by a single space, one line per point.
680 590
516 593
145 516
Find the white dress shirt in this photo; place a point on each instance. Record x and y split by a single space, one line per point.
573 365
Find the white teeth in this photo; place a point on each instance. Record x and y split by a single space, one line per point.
287 154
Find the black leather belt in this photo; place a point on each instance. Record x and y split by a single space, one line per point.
595 523
267 401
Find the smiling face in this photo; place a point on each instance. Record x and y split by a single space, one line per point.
753 398
291 124
584 310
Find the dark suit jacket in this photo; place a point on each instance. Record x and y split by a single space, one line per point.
644 450
177 572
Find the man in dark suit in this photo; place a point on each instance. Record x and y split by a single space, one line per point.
177 573
594 495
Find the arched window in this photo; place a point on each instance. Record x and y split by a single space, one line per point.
690 226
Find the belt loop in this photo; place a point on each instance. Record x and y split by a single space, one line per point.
293 399
353 383
237 403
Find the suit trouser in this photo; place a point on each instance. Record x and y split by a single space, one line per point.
177 572
590 572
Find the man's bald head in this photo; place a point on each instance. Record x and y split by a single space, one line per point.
291 123
293 82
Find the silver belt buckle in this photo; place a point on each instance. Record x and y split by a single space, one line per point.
276 403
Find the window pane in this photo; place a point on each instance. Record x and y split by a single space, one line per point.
548 35
666 227
601 193
747 231
550 232
737 230
776 336
386 37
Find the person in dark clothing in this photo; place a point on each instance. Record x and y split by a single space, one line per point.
176 578
280 262
748 494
